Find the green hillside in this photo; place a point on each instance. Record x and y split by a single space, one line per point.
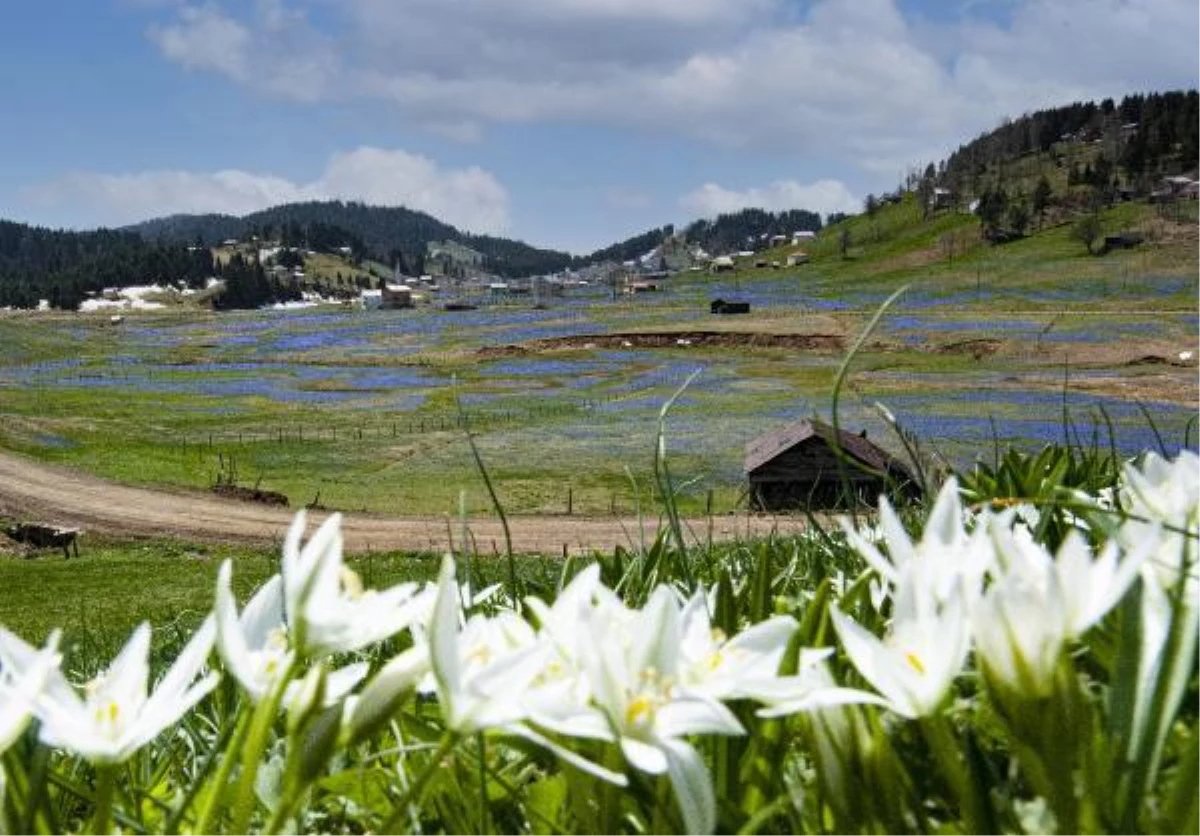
385 232
946 255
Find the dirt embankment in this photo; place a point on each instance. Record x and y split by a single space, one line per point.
31 490
672 339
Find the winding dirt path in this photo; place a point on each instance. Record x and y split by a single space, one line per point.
36 491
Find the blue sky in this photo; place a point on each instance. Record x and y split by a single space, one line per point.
567 123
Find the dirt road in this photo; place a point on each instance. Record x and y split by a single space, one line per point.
35 491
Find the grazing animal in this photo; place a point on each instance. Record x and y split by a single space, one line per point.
42 536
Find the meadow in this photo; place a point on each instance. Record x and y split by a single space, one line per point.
364 410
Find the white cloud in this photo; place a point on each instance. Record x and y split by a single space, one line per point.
823 196
470 198
869 82
278 52
205 39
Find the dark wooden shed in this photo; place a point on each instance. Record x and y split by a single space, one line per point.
797 467
721 306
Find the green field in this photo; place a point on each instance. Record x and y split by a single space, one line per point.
365 410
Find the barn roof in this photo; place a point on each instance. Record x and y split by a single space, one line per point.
766 447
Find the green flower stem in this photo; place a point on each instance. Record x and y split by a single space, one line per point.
256 745
957 768
212 801
484 818
1168 690
417 788
106 781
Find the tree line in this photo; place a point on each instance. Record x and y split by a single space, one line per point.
1144 135
384 233
63 267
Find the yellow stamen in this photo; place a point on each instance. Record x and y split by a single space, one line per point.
351 583
915 662
641 710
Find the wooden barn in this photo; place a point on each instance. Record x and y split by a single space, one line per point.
797 467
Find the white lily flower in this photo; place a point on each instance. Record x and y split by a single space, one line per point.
1020 629
945 544
117 714
722 668
482 671
383 693
927 643
559 697
300 695
1090 587
254 647
634 675
1165 494
327 608
1167 491
811 688
23 674
916 663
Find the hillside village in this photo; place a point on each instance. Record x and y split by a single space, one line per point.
1071 167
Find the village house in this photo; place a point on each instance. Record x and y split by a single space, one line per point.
721 264
797 467
941 199
1177 187
395 296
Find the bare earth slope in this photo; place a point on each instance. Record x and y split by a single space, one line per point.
32 490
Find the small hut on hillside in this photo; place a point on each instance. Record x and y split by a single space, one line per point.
395 296
797 467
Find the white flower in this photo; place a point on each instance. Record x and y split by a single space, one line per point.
327 608
23 673
117 715
383 693
634 676
300 695
559 697
254 648
811 689
953 554
721 668
482 671
1090 587
1166 491
1021 629
1165 496
915 664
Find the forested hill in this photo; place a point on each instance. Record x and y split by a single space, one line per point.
1145 135
725 233
383 230
732 231
62 267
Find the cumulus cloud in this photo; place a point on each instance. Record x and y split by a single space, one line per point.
823 196
278 52
470 198
866 81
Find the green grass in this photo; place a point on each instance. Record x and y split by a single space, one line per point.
115 585
549 434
